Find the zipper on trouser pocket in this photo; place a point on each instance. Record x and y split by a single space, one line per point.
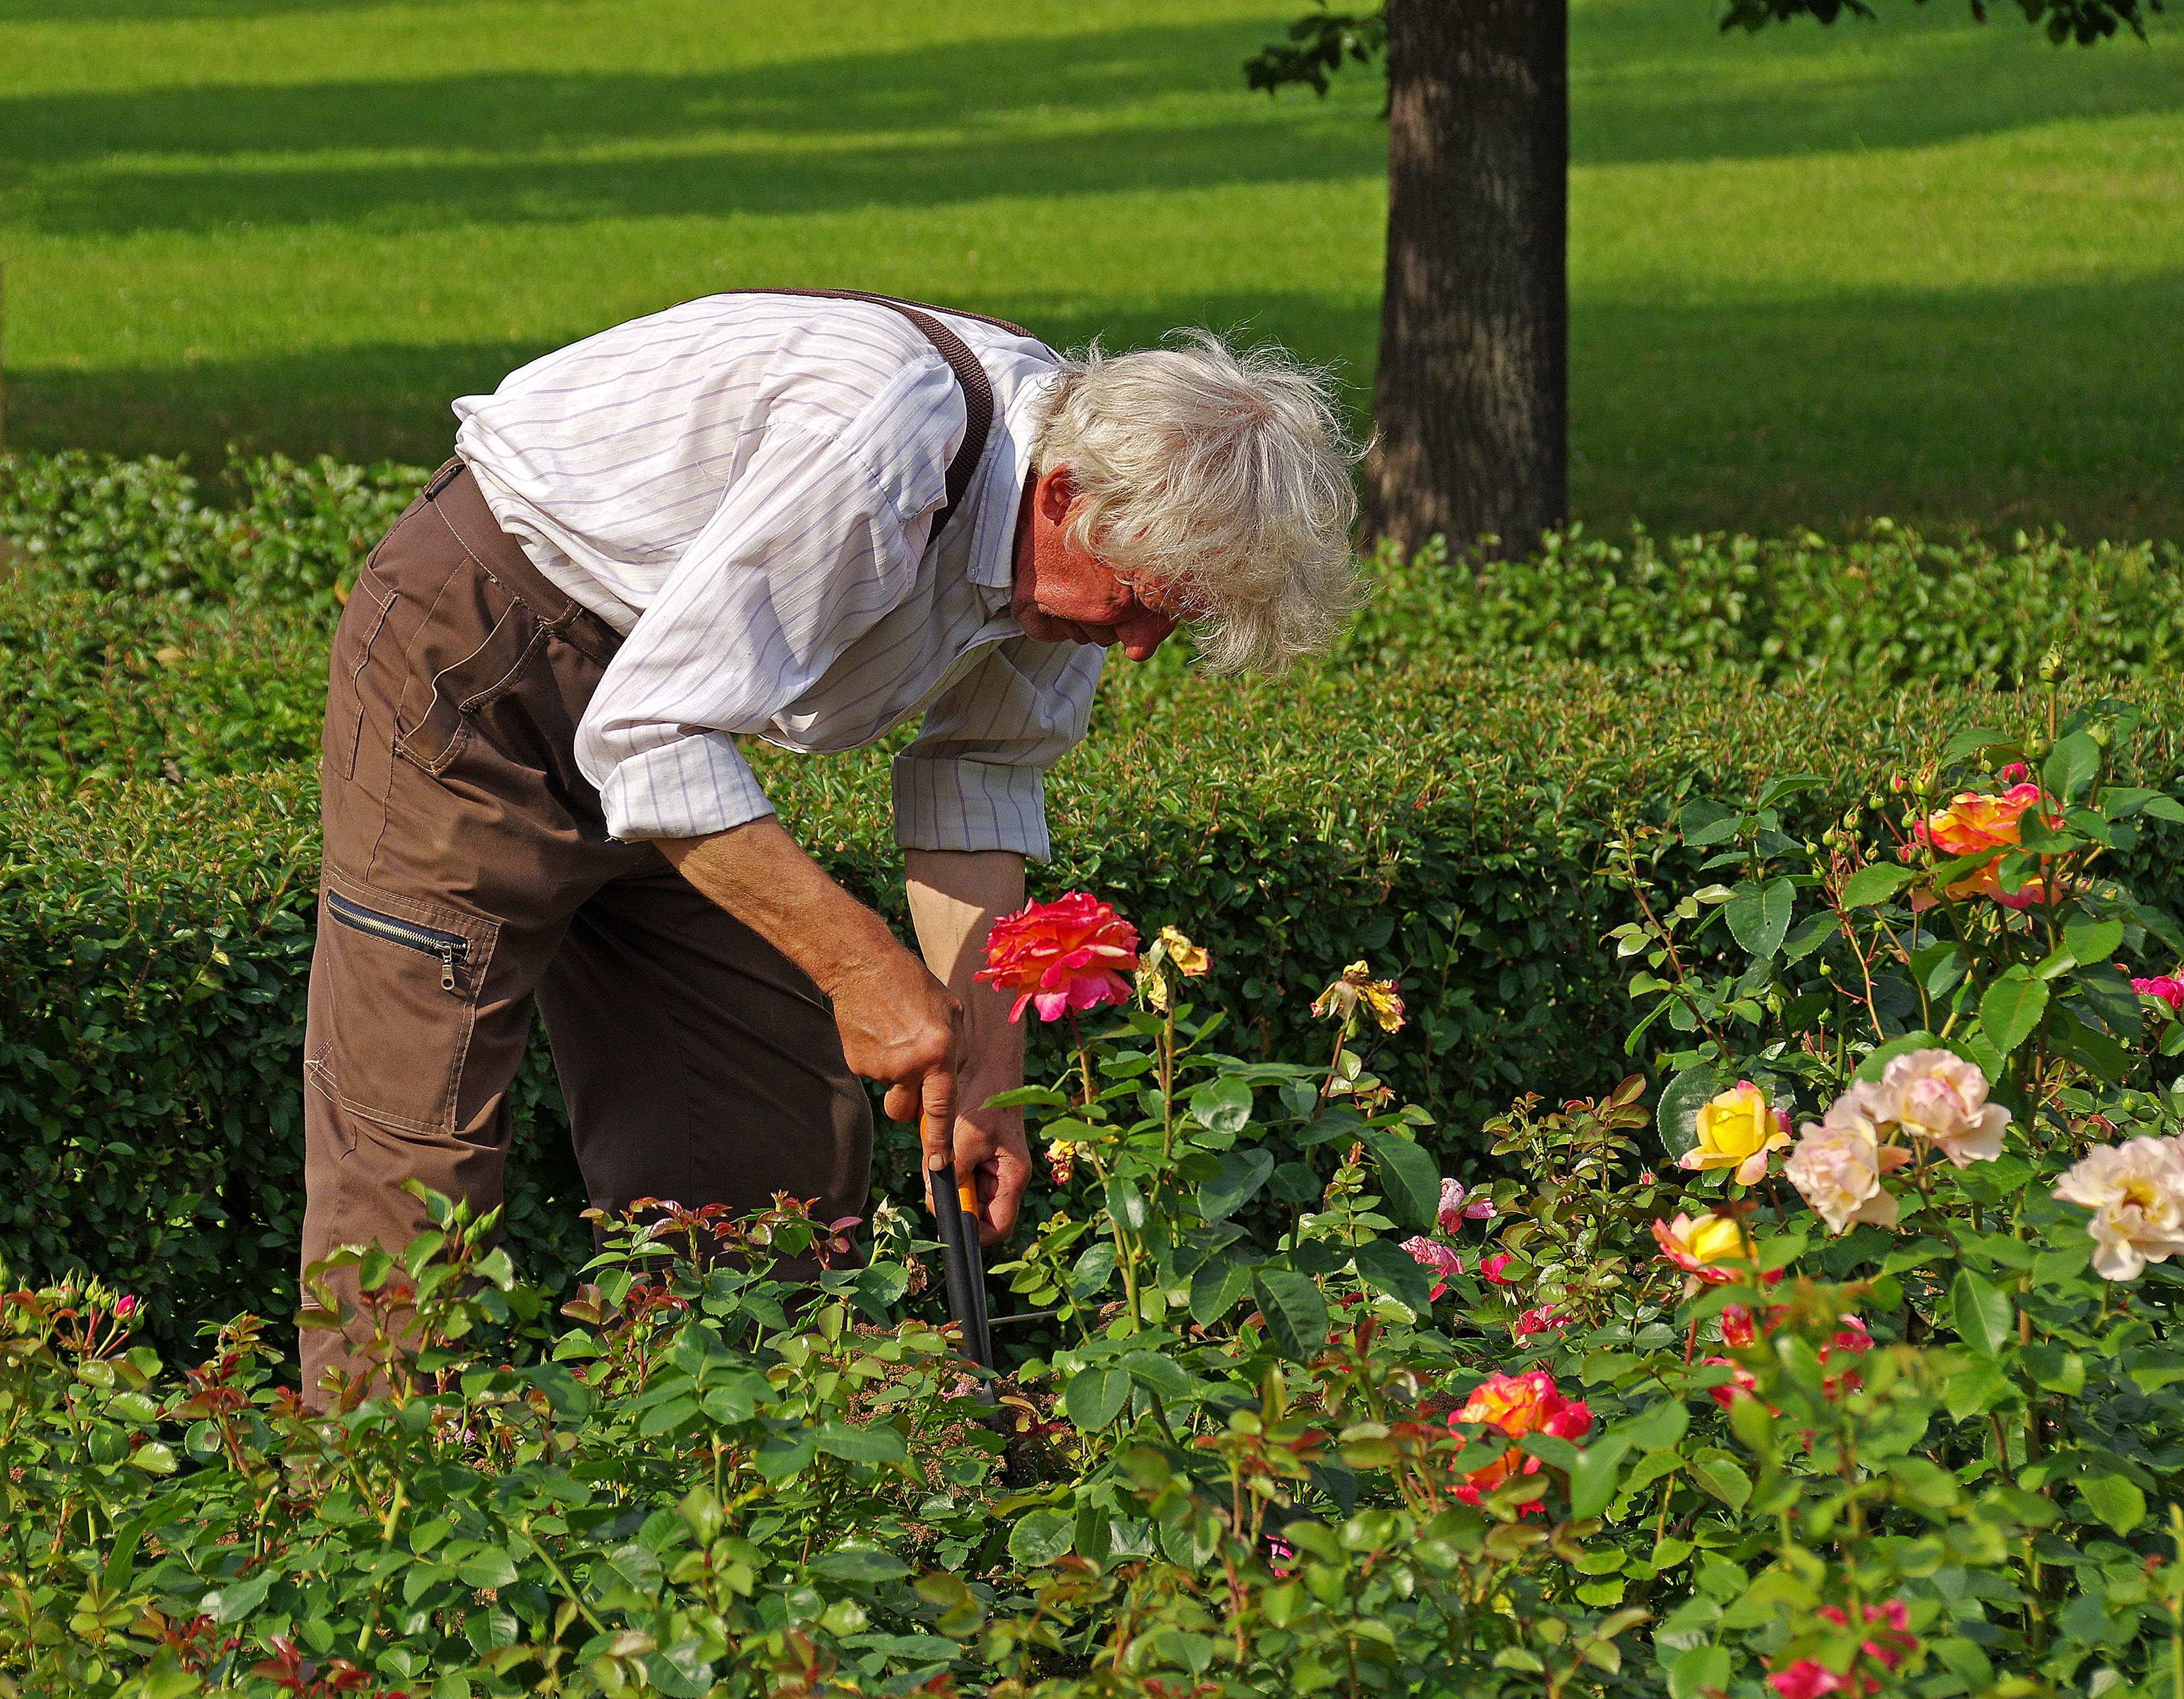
450 947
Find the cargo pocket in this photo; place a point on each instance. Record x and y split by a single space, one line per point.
436 721
394 998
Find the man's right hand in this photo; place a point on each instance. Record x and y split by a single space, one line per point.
899 1025
902 1027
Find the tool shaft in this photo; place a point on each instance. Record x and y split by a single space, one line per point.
959 1253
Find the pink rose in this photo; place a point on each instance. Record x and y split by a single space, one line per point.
1837 1165
2169 989
1440 1258
1936 1095
2136 1191
1458 1205
1491 1268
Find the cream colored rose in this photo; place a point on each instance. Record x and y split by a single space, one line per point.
2136 1191
1938 1097
1837 1165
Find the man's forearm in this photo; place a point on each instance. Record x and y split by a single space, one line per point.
762 876
955 898
898 1023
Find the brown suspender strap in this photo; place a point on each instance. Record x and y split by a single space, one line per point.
977 393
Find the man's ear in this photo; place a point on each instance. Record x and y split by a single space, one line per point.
1058 488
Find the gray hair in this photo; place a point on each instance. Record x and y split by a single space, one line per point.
1223 476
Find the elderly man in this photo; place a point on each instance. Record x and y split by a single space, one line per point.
805 516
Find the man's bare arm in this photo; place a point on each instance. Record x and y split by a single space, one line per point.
899 1025
954 897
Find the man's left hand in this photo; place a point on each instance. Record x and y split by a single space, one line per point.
991 1153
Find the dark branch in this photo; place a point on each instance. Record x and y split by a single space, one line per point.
1316 48
2082 21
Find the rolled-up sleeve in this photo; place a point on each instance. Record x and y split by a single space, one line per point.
819 537
974 777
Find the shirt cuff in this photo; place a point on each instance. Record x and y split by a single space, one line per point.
941 804
694 786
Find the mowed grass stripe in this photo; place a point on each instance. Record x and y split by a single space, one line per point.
1922 268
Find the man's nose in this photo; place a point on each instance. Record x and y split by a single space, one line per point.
1143 632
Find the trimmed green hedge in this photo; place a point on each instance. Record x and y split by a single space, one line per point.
1436 799
1891 607
287 533
1447 824
102 685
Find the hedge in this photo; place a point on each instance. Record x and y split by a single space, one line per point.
1445 823
117 685
1890 605
286 533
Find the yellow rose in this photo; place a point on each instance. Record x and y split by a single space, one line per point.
1358 990
1737 1129
1713 1238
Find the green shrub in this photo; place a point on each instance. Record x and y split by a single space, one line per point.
1448 825
1604 1433
289 534
1890 608
100 685
158 942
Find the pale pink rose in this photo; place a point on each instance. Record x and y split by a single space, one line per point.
2136 1191
1837 1165
1440 1258
1458 1204
1938 1097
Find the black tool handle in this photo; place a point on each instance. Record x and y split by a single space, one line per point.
958 1247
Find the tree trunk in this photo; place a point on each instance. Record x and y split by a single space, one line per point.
1470 406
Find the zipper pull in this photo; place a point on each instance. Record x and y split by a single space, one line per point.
448 953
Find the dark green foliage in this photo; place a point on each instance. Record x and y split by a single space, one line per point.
1319 41
292 533
156 940
120 684
2082 21
1447 825
1436 801
1893 607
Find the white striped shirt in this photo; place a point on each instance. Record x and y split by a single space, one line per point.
743 486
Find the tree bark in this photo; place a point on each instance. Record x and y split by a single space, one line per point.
1470 407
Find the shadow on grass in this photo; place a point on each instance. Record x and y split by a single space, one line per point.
1991 409
1647 87
843 130
2000 408
389 199
177 11
389 401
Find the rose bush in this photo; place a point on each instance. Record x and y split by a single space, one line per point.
1890 1408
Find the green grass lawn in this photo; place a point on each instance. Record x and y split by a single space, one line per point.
1918 268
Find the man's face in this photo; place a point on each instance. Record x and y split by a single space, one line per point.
1064 595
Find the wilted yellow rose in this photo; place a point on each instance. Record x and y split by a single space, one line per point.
1190 959
1358 989
1737 1129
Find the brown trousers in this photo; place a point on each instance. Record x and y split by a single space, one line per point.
469 876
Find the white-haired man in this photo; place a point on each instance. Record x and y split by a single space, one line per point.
807 516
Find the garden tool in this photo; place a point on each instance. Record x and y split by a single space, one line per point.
956 1210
